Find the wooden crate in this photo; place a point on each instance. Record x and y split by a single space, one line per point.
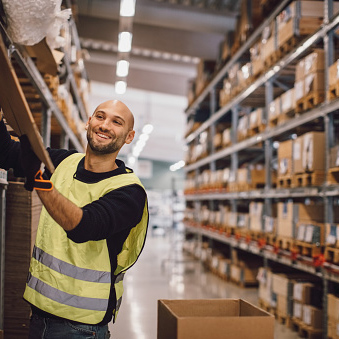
22 215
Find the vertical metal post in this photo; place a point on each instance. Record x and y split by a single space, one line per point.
46 126
3 187
212 128
64 140
234 155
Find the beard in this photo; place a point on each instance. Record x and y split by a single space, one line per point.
109 148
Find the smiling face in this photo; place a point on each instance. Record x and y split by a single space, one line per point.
110 127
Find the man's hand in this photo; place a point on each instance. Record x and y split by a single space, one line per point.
31 164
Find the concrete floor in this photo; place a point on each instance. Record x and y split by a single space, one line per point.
164 272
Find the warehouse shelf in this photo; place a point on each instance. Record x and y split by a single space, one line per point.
30 69
247 149
268 75
298 192
245 47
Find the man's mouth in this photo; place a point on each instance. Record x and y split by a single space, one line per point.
103 136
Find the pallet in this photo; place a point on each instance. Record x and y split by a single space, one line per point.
305 331
333 176
285 243
286 181
256 130
332 255
316 178
306 249
310 101
333 91
271 239
283 319
264 305
287 46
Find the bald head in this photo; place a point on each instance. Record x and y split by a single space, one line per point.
117 107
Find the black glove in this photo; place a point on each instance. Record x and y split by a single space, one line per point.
31 164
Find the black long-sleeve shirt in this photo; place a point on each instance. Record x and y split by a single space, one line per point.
111 217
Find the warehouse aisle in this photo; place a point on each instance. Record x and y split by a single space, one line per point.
163 272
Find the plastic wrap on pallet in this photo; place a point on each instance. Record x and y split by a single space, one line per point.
32 20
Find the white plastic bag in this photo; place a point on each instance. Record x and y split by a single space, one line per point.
30 21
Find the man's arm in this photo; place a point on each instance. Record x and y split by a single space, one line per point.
62 210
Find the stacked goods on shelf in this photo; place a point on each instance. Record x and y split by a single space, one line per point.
205 71
256 122
265 293
22 215
288 105
331 254
249 19
285 173
243 128
225 48
274 111
333 316
307 314
244 270
291 216
297 20
333 80
309 159
309 81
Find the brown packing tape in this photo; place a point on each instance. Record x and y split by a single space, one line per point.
16 109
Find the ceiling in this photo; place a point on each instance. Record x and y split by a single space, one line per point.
169 39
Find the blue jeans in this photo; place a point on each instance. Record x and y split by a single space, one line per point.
48 328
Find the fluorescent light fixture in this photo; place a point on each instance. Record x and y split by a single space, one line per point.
177 166
125 42
147 129
122 68
120 87
144 137
127 7
141 143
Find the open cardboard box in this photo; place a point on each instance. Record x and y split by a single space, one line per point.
213 319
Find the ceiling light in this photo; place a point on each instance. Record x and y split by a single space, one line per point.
120 87
143 137
122 68
125 42
127 7
147 129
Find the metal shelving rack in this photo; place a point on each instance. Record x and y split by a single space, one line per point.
324 111
50 108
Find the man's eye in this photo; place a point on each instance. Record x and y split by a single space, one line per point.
117 122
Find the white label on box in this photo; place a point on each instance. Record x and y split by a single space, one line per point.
215 261
307 158
307 317
296 151
297 291
308 82
301 232
331 239
297 310
269 224
299 90
309 233
283 166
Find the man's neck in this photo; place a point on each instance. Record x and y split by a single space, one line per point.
100 163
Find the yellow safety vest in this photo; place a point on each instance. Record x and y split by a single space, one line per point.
73 280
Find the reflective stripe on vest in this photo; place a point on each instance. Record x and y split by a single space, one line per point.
73 280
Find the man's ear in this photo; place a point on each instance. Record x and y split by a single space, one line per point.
87 123
130 137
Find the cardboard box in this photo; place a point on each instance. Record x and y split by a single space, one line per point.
302 292
212 318
314 82
283 305
256 213
313 151
312 316
334 156
297 155
333 73
285 152
333 306
297 310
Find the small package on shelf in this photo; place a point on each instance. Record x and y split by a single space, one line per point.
285 152
312 317
274 111
242 131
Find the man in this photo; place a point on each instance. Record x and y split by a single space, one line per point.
92 227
